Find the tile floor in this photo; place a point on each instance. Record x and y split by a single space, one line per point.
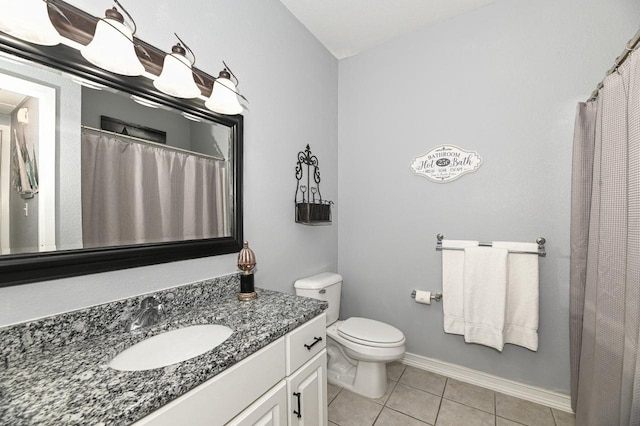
416 398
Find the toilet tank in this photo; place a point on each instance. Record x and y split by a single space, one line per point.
324 286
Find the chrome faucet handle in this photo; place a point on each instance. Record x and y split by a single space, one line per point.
150 312
150 303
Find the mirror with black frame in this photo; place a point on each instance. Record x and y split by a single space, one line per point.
101 172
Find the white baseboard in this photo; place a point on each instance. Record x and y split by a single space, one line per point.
535 394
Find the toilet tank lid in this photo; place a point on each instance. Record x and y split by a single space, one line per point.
319 281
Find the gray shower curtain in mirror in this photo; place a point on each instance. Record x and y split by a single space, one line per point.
605 254
133 193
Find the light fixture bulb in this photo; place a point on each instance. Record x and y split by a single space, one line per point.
191 117
112 46
144 102
224 100
28 20
176 78
88 83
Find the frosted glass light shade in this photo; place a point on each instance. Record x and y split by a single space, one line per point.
28 20
112 49
223 100
176 78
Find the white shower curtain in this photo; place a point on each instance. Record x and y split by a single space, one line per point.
134 193
605 254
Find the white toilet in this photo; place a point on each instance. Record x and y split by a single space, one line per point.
358 348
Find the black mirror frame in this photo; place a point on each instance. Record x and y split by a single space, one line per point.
26 268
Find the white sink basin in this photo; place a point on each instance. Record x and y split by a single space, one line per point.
171 347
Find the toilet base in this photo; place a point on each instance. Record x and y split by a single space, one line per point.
362 377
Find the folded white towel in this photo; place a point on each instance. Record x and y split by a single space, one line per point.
521 321
485 292
452 278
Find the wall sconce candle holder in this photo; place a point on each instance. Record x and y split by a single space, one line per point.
311 209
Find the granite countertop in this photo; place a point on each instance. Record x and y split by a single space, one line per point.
55 370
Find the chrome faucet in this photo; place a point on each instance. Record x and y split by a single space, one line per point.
150 313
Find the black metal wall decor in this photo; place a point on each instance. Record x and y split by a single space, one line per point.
311 209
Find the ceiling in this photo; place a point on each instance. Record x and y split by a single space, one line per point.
348 27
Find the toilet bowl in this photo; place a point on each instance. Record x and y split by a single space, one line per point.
357 348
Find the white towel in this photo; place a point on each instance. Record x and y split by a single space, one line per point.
25 185
452 275
485 292
521 321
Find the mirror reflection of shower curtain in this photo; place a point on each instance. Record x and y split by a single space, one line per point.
134 193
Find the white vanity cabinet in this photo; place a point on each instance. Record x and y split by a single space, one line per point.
307 391
263 389
269 410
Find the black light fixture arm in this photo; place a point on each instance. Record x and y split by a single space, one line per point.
135 27
226 67
193 63
227 73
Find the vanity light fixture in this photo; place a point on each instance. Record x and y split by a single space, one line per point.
28 20
112 47
224 95
176 78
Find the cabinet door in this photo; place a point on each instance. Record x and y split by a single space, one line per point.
268 410
307 393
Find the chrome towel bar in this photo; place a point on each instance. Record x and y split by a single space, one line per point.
540 241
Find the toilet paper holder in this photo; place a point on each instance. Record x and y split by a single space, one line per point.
434 296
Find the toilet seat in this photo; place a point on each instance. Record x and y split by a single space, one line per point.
366 351
369 332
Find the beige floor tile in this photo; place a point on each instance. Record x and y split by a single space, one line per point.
471 395
522 411
415 403
454 414
563 418
350 409
395 370
424 380
504 422
389 417
332 392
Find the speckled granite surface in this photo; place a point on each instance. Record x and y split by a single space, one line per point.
55 370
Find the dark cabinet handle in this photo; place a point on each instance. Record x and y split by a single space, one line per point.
299 412
316 340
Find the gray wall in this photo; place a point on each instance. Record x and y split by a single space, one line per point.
503 81
210 138
291 82
96 103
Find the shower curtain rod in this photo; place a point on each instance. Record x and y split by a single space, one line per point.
156 144
631 46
